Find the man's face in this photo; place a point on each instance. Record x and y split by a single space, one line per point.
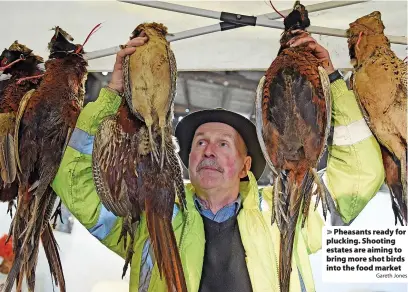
218 157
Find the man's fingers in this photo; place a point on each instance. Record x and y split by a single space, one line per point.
121 54
299 32
298 41
136 42
126 51
129 49
131 46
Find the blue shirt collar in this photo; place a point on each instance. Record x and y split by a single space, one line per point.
223 214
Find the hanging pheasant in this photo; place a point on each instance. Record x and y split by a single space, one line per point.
19 62
45 119
128 178
293 112
151 104
380 85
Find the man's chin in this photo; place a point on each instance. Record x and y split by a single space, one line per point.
210 181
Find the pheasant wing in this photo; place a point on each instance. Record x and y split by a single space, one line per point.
7 154
108 168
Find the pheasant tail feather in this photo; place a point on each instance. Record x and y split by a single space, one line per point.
166 250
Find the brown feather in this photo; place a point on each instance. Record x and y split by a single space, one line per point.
165 249
19 116
380 85
129 178
293 115
393 180
11 93
44 119
7 159
53 258
138 177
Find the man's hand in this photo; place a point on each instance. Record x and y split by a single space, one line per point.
116 82
320 53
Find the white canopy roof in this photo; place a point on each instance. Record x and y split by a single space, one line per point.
245 48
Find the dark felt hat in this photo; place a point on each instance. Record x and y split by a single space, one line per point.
186 128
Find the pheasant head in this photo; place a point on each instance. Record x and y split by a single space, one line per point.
365 35
17 57
297 19
152 29
61 43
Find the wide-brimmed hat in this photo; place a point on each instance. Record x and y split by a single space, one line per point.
186 128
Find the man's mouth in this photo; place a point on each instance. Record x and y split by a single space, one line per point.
209 168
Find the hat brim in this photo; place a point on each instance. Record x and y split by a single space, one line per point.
187 127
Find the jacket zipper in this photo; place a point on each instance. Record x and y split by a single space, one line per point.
186 219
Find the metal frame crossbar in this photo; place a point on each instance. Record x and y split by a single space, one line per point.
232 21
245 20
222 26
229 20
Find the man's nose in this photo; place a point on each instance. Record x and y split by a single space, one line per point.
209 150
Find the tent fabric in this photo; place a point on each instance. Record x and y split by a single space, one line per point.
246 48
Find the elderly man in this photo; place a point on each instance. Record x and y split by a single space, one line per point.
225 239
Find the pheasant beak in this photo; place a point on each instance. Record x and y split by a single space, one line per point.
79 49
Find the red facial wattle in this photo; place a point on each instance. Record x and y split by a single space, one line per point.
3 62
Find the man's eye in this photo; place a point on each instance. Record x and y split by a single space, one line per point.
200 143
224 144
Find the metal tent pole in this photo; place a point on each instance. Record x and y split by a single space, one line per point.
219 15
246 19
222 26
317 7
102 53
231 21
326 31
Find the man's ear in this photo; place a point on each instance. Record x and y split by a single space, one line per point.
246 167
